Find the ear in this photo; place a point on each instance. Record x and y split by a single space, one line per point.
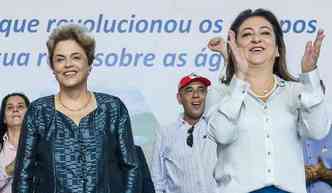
277 52
179 98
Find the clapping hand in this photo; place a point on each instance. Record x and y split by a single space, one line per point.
311 53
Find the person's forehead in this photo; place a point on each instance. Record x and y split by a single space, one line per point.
15 99
195 83
255 21
68 45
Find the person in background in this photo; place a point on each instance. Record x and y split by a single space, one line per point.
184 157
318 164
13 109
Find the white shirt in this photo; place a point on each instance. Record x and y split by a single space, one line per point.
179 168
7 155
259 143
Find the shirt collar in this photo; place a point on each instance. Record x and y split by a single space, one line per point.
182 122
280 82
6 141
5 137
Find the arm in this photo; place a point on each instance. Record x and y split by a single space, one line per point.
326 175
25 159
311 175
127 150
224 115
318 172
158 165
313 119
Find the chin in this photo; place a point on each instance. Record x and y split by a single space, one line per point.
258 63
72 84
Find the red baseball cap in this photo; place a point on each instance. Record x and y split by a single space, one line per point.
193 78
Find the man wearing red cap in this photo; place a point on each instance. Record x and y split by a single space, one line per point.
184 157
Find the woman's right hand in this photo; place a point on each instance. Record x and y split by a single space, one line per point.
240 63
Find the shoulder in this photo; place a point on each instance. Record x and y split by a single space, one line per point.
46 102
215 94
170 129
288 83
103 98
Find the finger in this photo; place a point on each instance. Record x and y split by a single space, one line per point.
232 42
319 40
308 50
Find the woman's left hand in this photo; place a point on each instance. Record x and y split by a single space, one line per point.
311 53
10 168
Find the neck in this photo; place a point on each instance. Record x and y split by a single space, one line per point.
14 134
74 94
74 99
260 77
189 120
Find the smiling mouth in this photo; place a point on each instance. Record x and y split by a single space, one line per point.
196 104
257 50
69 73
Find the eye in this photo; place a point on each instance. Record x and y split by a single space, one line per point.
246 34
188 90
77 57
202 90
21 107
9 108
59 60
267 33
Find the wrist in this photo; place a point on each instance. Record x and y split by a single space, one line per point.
309 69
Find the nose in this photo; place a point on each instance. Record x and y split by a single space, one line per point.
195 93
256 38
68 63
15 109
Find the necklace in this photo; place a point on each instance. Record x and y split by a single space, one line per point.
266 92
78 109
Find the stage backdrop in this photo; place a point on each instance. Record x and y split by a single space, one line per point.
144 47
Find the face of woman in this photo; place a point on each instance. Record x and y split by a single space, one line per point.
70 64
257 41
15 111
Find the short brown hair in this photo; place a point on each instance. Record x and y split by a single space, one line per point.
72 32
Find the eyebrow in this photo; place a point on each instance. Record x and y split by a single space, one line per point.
76 53
191 87
72 54
19 103
262 27
59 55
